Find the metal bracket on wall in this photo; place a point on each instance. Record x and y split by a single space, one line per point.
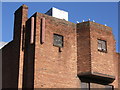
60 49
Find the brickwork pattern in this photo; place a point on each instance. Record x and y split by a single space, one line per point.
42 65
50 64
83 48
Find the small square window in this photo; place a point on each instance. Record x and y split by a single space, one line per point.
58 40
102 45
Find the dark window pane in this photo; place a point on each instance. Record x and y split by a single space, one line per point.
58 40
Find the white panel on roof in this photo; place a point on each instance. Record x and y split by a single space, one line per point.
58 13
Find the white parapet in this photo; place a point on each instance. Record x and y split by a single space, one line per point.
57 13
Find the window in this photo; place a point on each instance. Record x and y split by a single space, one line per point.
85 86
102 45
94 86
109 87
58 40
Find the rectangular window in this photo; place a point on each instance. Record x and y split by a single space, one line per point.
85 86
102 45
58 40
109 87
94 86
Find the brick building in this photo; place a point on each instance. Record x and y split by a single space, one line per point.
47 52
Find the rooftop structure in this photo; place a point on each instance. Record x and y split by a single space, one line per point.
58 13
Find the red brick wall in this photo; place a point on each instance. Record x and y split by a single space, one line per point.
29 58
83 48
42 65
116 69
46 61
54 69
102 62
89 59
118 58
21 16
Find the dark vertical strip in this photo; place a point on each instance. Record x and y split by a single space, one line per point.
43 30
29 57
89 86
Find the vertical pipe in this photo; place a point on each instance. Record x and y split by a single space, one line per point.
32 30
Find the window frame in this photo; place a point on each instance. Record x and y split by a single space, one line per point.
54 40
102 48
